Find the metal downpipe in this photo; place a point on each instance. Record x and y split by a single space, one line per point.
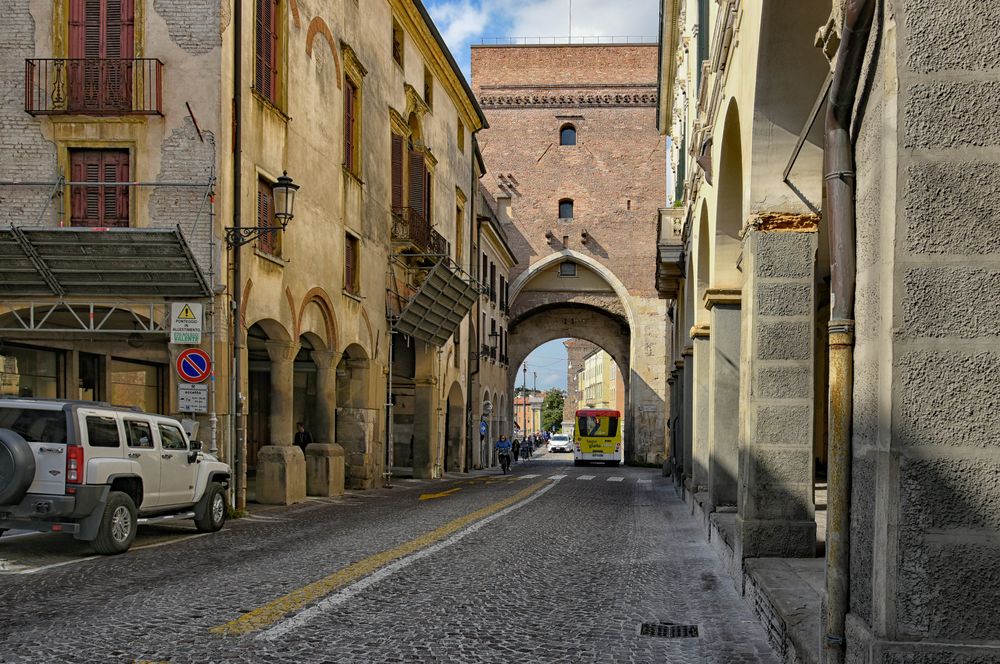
839 182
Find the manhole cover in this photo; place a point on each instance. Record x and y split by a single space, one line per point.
669 631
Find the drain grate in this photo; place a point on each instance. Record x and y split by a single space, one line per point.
669 631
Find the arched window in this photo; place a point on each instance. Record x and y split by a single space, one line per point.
566 208
567 135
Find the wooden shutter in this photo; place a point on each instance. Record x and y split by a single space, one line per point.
102 43
397 171
266 48
351 264
267 241
349 98
99 205
427 196
417 182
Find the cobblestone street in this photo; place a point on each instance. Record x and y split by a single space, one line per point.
551 563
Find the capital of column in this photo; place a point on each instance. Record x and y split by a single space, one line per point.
714 296
688 351
701 331
281 351
325 359
429 381
786 222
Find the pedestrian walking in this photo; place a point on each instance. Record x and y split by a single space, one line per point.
516 449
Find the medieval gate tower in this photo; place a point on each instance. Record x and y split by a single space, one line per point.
579 173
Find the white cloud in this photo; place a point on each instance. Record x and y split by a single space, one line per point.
550 18
459 20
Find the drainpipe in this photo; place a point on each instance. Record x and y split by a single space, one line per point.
236 399
839 178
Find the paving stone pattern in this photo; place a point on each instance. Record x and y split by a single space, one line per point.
569 577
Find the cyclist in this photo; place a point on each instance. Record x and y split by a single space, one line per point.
503 451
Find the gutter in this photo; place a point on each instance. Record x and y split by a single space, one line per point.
840 184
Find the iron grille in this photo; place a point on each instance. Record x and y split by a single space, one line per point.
93 86
669 631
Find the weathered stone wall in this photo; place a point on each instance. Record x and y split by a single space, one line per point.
927 364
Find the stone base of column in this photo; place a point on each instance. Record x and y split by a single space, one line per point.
360 472
281 475
324 469
774 538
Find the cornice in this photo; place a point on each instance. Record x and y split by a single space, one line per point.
581 97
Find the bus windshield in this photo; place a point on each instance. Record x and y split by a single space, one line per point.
604 426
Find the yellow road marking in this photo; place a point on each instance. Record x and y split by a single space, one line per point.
270 613
442 494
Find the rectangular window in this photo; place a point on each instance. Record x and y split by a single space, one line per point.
352 283
30 373
171 438
268 241
397 43
266 49
493 282
350 125
138 434
503 293
99 205
428 88
137 384
485 271
102 431
461 137
101 48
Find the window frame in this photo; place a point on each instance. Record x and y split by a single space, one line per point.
567 275
128 422
569 202
352 271
352 125
77 199
397 30
568 126
269 247
163 426
272 93
118 432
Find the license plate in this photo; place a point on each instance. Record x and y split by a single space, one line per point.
597 454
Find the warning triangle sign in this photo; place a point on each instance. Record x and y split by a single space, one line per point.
186 314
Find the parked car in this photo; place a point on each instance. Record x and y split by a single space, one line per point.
99 471
560 443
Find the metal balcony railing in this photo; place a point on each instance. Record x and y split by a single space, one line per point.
93 86
409 225
439 245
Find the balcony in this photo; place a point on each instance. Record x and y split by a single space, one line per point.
93 86
410 228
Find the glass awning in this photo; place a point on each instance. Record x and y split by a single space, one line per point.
91 262
437 309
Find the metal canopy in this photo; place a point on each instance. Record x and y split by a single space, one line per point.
438 308
98 262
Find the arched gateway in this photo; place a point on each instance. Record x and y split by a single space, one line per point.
582 215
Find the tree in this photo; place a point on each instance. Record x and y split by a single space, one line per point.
552 409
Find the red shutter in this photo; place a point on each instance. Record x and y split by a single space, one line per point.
266 48
350 264
397 171
267 240
349 98
127 29
418 179
427 196
99 205
102 43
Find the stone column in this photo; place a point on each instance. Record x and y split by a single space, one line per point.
682 423
688 355
424 427
281 470
700 425
672 420
775 495
324 428
723 396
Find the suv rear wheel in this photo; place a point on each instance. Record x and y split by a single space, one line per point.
118 525
214 515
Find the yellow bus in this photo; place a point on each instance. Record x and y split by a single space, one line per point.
597 437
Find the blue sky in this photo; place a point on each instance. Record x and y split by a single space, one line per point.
464 22
549 361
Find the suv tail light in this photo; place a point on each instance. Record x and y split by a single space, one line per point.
74 464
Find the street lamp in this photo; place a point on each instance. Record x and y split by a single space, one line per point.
283 195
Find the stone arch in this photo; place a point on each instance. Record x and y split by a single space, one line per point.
726 242
598 268
454 429
701 273
270 349
319 317
318 26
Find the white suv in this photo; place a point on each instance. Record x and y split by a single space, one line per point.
99 471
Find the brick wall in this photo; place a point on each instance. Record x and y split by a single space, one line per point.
563 65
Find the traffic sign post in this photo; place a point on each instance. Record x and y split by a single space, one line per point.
194 365
186 323
192 398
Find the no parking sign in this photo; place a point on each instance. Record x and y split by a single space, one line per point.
194 365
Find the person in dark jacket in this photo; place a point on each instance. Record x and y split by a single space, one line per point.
302 437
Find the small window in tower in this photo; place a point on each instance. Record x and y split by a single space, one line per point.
566 208
397 43
567 135
567 269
